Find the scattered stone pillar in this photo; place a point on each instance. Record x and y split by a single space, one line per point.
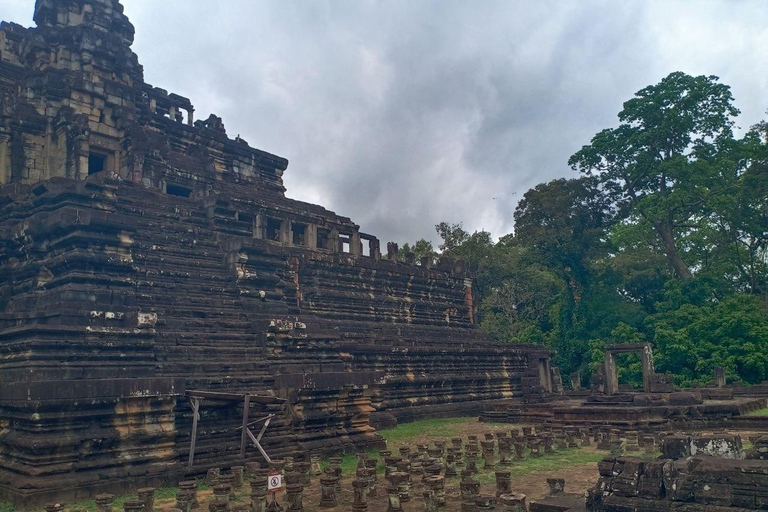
294 494
128 506
315 464
212 477
556 486
534 446
430 503
405 450
450 465
259 484
519 451
335 466
503 482
191 486
328 496
513 502
484 503
394 499
548 442
237 476
649 444
304 469
719 377
184 500
400 479
617 448
458 449
228 479
470 490
527 431
104 502
54 507
360 502
436 485
505 451
251 467
221 495
147 497
632 446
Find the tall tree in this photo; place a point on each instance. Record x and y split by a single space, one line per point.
656 165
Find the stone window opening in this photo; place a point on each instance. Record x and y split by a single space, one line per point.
323 235
177 190
345 243
244 217
98 161
365 248
274 227
299 234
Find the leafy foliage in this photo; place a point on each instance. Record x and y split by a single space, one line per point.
662 238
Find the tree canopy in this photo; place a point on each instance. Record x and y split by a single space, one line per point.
662 237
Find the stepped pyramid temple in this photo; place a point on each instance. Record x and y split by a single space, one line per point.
160 295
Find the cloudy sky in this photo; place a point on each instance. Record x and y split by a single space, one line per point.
405 113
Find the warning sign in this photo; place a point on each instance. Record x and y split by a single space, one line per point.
275 482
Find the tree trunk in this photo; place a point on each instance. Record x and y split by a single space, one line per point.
665 233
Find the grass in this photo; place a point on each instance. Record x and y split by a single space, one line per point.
759 412
6 506
545 463
438 429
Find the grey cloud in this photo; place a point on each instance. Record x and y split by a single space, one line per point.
405 113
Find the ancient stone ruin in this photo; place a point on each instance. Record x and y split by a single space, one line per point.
148 262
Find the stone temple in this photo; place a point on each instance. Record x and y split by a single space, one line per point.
149 261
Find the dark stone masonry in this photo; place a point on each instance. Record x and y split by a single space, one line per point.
144 255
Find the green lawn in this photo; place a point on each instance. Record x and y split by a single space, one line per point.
759 412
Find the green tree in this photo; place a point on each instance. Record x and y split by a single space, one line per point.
656 166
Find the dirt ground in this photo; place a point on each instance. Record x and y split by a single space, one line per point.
578 477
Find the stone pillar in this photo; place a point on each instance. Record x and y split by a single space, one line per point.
310 236
470 490
646 357
503 482
259 483
237 474
334 463
147 497
360 502
519 450
184 500
128 506
212 477
430 503
104 502
328 497
392 251
394 499
436 485
315 464
513 502
294 494
354 246
556 486
611 375
719 377
191 487
221 495
505 451
489 454
400 479
5 161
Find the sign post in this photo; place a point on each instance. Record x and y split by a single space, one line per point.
274 486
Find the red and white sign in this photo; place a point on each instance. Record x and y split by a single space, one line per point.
275 482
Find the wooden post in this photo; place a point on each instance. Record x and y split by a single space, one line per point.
244 437
195 418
